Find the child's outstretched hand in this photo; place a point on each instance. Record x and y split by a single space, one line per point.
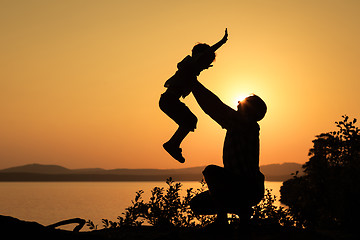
217 45
225 38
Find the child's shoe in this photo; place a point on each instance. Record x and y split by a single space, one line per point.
175 152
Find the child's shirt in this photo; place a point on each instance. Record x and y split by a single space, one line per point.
181 83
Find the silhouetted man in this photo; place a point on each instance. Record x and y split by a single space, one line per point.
239 185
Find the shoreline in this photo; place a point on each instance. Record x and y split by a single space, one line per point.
36 177
19 229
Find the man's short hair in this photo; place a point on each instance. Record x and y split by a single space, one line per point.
256 107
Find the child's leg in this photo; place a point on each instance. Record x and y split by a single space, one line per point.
186 120
187 123
179 136
174 151
173 145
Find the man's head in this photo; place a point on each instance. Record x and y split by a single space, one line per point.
252 107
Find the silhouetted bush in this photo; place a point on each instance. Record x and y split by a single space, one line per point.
327 195
167 208
268 213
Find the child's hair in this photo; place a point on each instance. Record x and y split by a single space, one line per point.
201 48
256 107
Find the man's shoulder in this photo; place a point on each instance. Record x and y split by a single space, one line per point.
243 125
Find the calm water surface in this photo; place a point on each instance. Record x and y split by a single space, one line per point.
50 202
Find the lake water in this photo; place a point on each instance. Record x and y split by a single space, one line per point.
50 202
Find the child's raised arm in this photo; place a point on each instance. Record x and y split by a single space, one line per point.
217 45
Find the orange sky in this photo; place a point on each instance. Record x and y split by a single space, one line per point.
80 80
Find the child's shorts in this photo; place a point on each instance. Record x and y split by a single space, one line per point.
177 111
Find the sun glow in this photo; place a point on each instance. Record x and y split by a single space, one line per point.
238 91
239 98
242 97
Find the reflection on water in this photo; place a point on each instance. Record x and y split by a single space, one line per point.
49 202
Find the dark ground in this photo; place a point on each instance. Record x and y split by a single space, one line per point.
12 228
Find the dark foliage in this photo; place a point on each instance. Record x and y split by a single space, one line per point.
266 213
165 208
168 208
327 195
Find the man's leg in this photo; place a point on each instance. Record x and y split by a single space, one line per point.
217 180
227 195
203 204
245 214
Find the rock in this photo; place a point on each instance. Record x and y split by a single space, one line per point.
13 228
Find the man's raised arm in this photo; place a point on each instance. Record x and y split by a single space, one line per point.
212 105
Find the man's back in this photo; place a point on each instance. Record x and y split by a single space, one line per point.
241 149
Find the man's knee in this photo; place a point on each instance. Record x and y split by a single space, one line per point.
213 172
211 169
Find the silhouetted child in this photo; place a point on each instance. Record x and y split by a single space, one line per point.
180 85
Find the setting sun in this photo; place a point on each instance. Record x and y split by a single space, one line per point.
242 97
238 98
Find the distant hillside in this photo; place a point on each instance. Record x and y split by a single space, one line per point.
55 169
280 172
38 168
38 172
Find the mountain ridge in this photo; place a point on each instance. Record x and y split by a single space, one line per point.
42 172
